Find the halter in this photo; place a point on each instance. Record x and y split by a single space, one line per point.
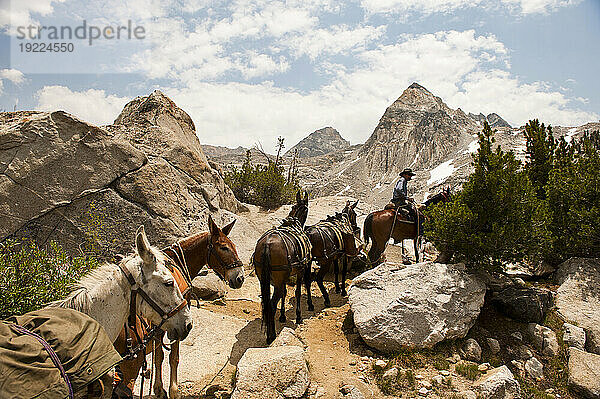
227 266
155 330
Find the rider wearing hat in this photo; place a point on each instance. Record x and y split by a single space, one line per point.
400 195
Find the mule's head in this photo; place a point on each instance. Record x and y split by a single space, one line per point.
158 283
300 208
223 257
349 210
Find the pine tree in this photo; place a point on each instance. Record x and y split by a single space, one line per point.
496 218
540 147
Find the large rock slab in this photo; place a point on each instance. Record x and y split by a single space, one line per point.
578 297
276 373
211 344
584 373
419 305
525 304
498 383
89 187
208 285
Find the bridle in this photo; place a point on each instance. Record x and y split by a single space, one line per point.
131 320
227 266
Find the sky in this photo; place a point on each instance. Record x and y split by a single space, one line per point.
248 71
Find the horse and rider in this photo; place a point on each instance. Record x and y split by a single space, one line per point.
401 219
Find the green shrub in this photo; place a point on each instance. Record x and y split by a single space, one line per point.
263 185
468 370
497 217
31 276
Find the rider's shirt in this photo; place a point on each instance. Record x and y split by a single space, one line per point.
400 190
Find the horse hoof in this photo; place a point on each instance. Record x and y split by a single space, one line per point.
327 304
161 394
282 318
344 293
311 307
298 320
173 393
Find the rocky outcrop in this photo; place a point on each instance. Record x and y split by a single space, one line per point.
414 306
584 373
525 304
319 142
574 336
498 383
276 372
544 339
578 297
66 180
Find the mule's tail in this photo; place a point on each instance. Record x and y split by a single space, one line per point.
368 228
268 317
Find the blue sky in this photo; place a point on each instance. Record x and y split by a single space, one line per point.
251 70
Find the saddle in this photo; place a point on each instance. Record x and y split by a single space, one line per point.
40 348
297 243
403 214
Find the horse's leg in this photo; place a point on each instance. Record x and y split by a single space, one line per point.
159 356
278 293
174 363
299 276
282 311
322 270
307 282
344 271
336 271
416 244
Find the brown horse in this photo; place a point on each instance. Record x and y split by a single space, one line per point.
190 254
333 241
279 253
380 226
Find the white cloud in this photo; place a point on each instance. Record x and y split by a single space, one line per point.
464 69
19 12
338 39
13 75
427 7
497 91
93 106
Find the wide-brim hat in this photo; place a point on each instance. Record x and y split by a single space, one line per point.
407 171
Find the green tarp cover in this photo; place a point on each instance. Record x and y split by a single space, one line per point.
26 369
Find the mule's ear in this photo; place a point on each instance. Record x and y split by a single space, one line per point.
227 229
143 246
354 205
306 196
212 227
298 196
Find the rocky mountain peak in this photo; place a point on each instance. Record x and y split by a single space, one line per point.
417 98
319 142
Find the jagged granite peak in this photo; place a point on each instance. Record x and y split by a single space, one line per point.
418 131
493 119
496 121
319 142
